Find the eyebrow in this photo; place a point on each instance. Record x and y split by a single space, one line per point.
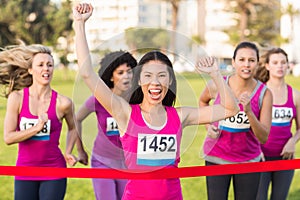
246 57
157 72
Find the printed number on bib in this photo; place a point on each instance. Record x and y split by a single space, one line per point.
281 116
111 127
156 150
43 134
237 123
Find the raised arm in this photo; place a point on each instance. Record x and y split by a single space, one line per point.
209 93
111 102
207 114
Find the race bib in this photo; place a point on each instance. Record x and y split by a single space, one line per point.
111 127
156 149
282 116
237 123
43 134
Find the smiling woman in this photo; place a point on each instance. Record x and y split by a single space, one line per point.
116 70
150 127
34 118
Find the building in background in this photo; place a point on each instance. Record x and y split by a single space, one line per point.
290 29
205 18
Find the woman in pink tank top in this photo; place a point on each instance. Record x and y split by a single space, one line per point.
237 139
286 109
150 127
116 71
34 118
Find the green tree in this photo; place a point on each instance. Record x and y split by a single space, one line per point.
256 19
265 29
144 39
35 21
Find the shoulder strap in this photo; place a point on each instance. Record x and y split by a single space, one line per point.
262 93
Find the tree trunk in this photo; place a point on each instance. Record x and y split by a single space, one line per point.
243 24
175 8
201 18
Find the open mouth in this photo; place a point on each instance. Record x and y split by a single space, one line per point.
155 93
45 75
246 70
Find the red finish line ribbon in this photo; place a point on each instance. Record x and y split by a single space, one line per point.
182 172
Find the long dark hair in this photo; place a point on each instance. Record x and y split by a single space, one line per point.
113 60
262 73
137 96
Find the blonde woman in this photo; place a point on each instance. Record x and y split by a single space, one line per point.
34 118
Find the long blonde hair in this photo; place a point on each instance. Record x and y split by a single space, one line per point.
15 60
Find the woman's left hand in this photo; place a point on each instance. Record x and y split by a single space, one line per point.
288 150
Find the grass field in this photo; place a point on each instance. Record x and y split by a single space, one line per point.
189 88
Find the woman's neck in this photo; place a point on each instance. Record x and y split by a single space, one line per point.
276 83
152 109
40 91
155 115
240 85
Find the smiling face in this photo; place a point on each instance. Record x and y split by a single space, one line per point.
122 78
154 81
245 62
42 68
277 65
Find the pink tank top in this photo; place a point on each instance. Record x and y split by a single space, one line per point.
237 142
282 117
147 149
107 143
41 150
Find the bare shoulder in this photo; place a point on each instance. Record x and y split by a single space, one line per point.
15 97
64 103
268 95
16 94
182 113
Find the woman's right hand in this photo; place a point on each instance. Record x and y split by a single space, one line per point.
82 11
83 157
42 120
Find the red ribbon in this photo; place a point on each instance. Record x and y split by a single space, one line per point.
182 172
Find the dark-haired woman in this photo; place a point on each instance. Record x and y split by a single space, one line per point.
150 127
116 70
237 139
